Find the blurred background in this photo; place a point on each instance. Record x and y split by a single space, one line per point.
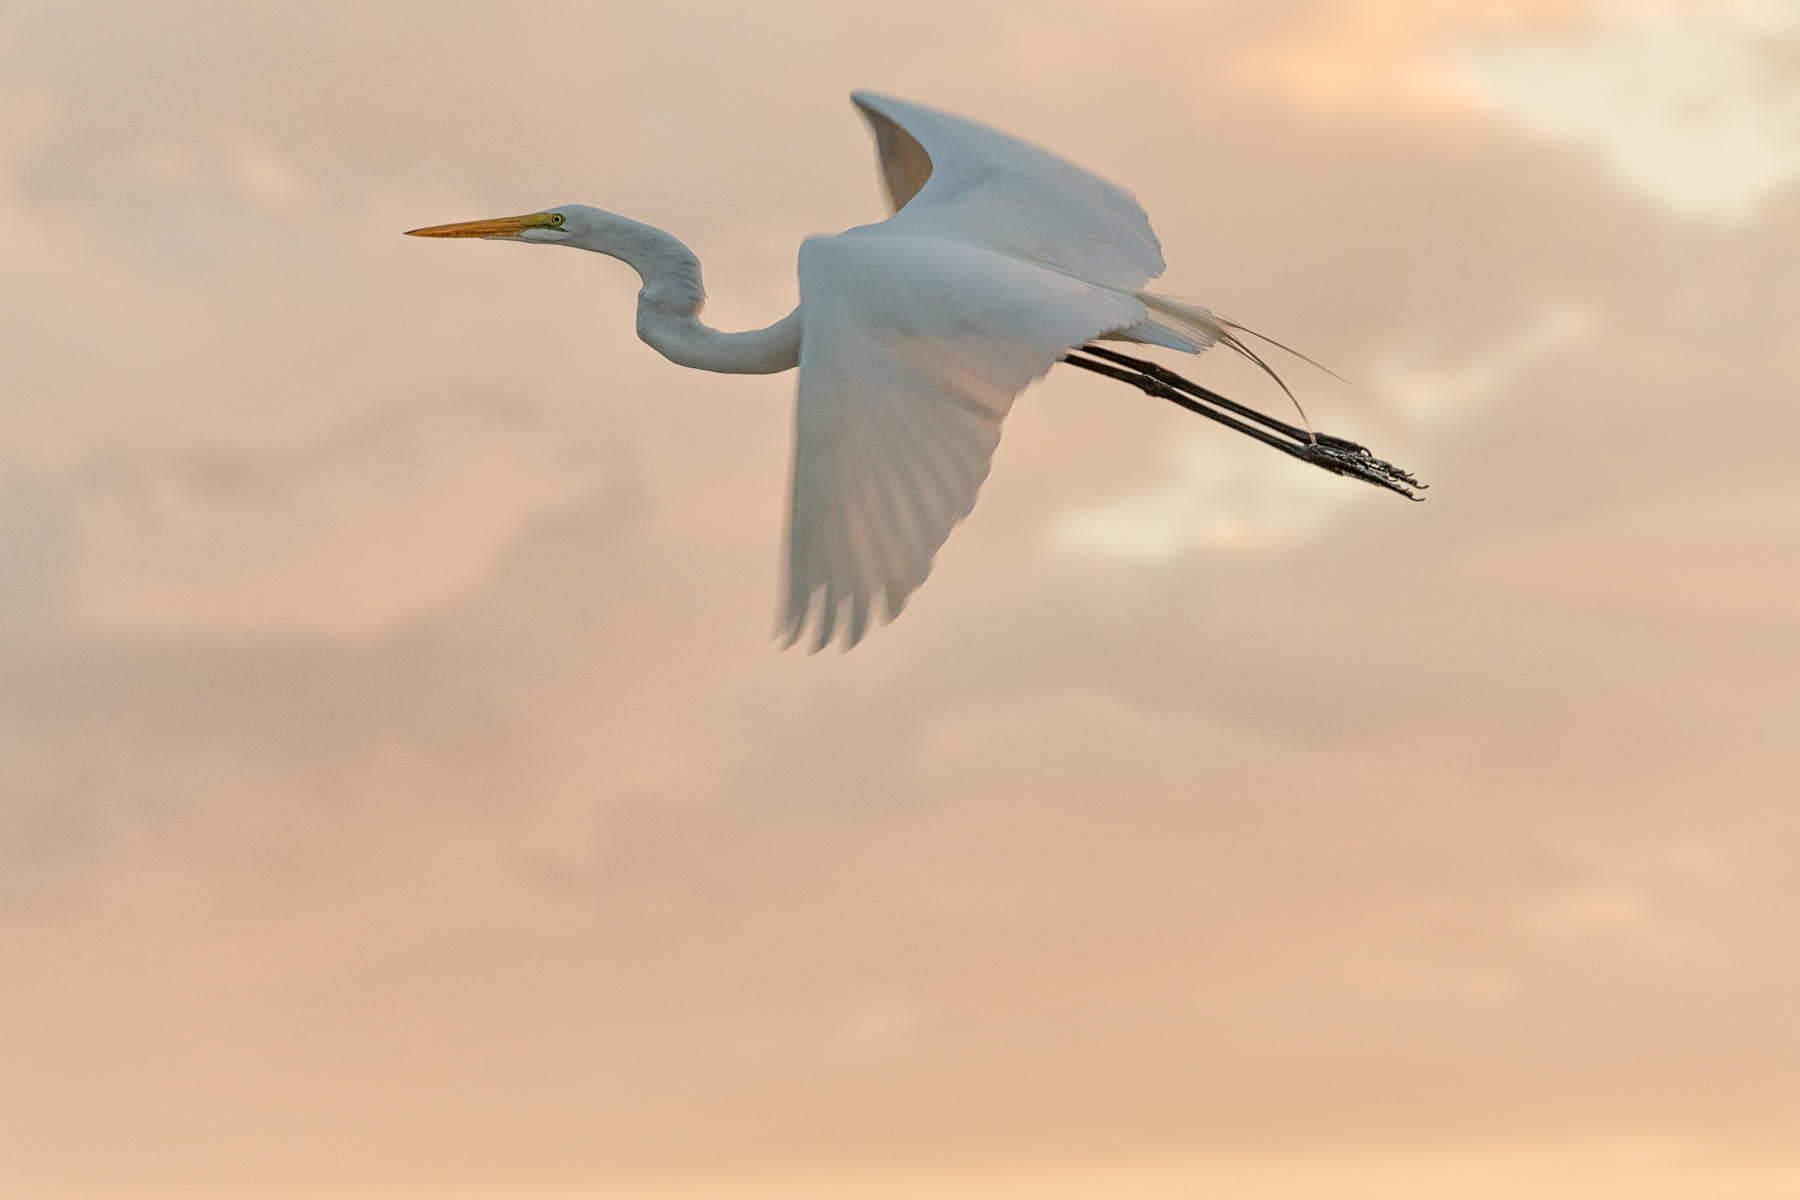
401 797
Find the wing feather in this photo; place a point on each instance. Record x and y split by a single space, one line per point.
954 178
912 351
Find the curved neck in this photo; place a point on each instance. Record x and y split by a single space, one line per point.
684 339
669 304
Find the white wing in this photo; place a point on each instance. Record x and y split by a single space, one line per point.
918 332
911 353
952 178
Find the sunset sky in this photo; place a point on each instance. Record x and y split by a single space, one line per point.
401 796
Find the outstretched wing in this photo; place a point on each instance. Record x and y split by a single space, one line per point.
911 352
953 178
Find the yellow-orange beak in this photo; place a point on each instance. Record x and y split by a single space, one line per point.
493 227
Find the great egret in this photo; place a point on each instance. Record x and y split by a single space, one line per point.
913 336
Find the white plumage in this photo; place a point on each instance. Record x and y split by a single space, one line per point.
921 329
913 337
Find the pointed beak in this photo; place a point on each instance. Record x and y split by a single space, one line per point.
493 227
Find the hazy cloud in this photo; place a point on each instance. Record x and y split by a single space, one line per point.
400 795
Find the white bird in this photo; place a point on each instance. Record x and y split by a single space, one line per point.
913 336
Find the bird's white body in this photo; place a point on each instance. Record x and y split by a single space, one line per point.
913 336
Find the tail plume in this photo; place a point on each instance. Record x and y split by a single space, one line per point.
1191 329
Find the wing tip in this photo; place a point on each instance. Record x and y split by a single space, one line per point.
817 625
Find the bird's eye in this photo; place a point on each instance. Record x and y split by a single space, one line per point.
556 218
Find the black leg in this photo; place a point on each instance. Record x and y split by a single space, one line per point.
1337 455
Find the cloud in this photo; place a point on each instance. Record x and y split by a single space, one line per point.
399 793
1379 59
1724 557
1220 497
1683 103
1427 393
341 538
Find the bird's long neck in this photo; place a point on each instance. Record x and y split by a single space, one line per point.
669 303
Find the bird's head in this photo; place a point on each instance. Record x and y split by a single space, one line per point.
554 226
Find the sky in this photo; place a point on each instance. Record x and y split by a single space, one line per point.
401 795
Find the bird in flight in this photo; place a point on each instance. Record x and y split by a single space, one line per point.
913 336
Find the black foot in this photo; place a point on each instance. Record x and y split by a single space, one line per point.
1342 457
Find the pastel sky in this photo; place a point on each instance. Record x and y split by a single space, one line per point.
401 797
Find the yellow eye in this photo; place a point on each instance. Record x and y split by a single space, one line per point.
556 218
